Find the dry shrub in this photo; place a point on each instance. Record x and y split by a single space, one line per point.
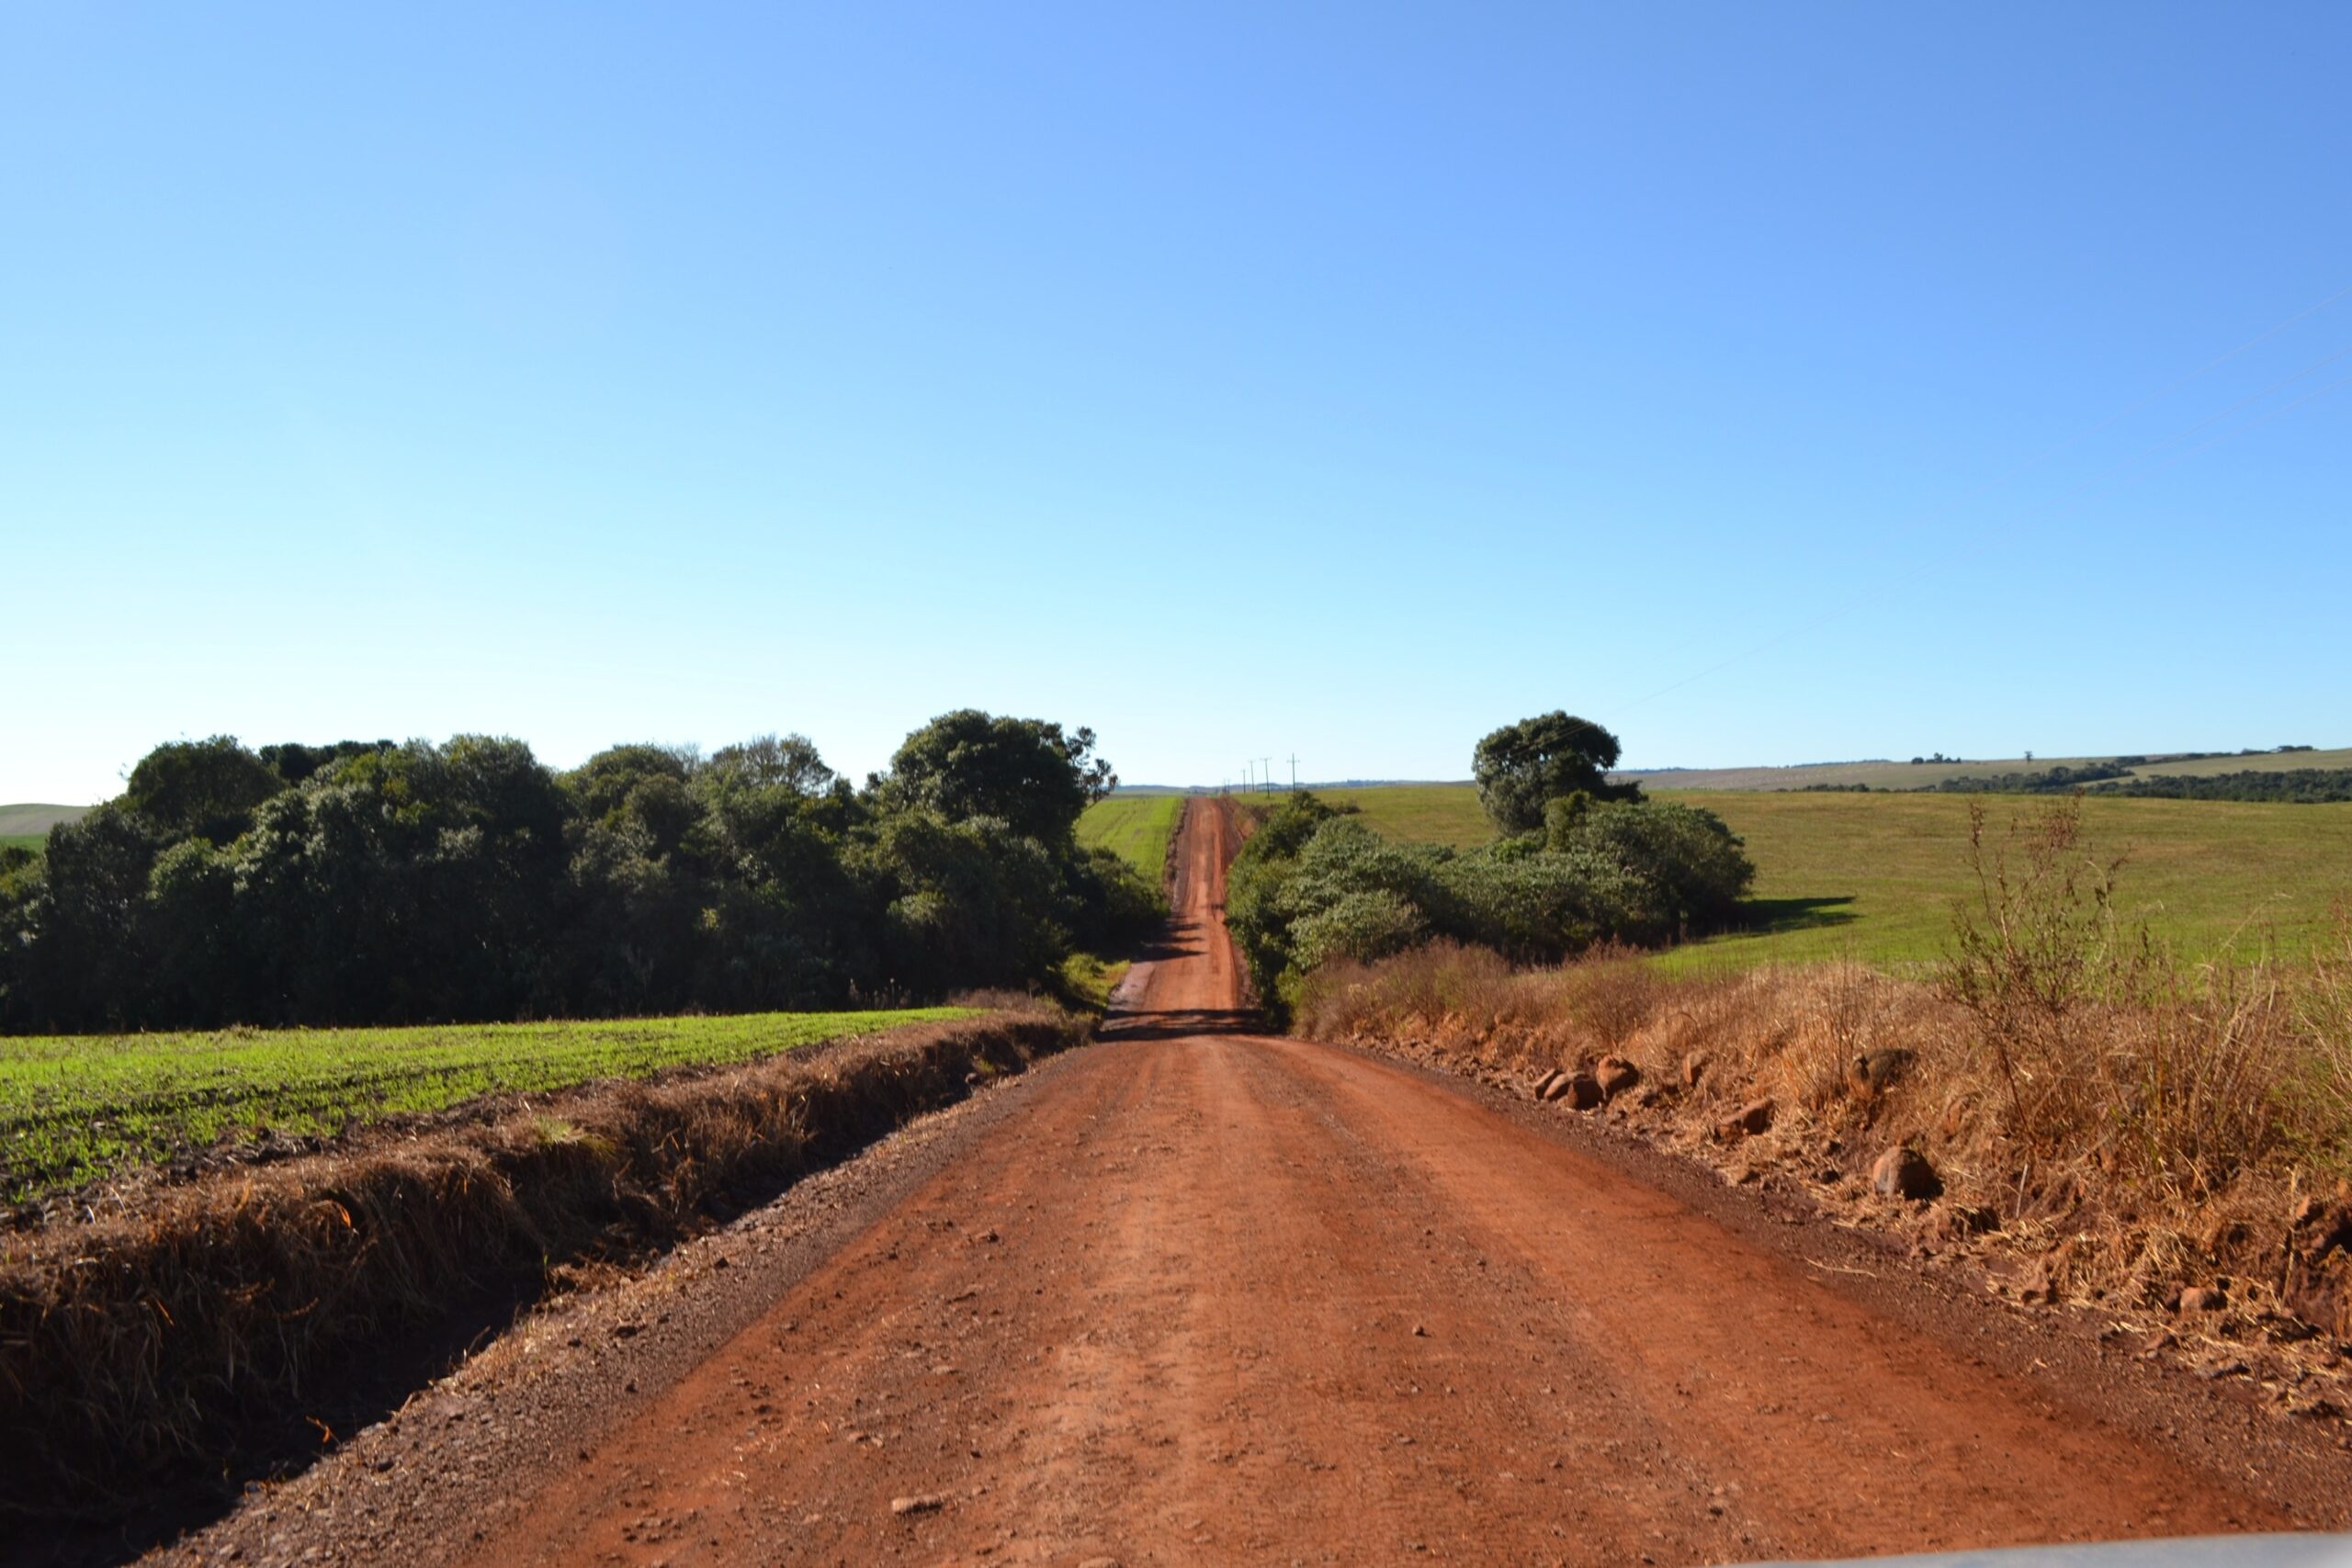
150 1345
1611 992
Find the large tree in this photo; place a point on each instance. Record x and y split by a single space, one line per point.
1026 773
1521 766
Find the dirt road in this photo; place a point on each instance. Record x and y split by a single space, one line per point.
1198 1295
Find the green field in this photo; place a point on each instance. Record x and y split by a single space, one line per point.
1874 876
74 1108
1901 774
1137 827
22 841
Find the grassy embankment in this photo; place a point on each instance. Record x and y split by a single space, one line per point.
1137 827
76 1108
195 1330
1873 877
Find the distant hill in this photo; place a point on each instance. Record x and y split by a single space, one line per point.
1884 773
22 821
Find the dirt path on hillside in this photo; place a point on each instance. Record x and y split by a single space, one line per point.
1205 1296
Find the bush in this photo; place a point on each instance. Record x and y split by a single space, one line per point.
1312 886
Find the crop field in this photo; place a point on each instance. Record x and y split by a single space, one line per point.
75 1108
1137 827
1874 876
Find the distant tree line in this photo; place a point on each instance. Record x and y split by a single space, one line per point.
375 883
2060 780
2305 786
2300 787
1580 862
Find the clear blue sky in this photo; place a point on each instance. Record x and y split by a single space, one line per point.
1241 380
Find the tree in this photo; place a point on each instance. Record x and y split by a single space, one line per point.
788 761
1025 772
204 788
1521 766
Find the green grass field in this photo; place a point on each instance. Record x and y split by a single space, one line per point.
22 841
1874 876
74 1108
1137 827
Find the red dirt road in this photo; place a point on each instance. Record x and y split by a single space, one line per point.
1209 1296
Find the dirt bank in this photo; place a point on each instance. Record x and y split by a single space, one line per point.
188 1340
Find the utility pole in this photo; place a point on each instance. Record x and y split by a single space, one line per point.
1294 773
1266 773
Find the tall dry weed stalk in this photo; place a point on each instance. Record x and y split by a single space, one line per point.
2108 1048
2037 948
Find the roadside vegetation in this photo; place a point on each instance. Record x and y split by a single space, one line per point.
1138 829
1577 862
367 882
75 1109
2126 1124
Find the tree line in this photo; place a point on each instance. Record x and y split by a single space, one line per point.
381 883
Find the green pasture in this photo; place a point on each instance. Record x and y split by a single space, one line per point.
23 840
74 1108
1137 827
1874 876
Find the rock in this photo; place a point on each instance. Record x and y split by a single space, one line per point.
1554 1084
1950 1223
928 1503
2318 1226
2039 1286
1581 1090
2201 1299
1876 1071
1100 1562
1615 1075
1694 1067
1754 1117
1904 1172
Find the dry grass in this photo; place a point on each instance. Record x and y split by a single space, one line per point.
153 1342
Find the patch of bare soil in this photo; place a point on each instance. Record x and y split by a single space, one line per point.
1196 1295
